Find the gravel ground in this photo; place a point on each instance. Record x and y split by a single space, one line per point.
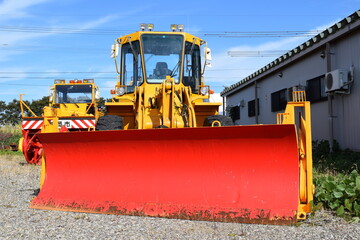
18 181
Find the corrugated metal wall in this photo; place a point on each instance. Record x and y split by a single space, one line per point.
345 52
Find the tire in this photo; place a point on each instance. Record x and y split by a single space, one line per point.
224 120
110 122
161 126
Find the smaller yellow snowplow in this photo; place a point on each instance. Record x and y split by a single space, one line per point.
72 107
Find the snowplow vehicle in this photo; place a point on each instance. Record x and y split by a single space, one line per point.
72 107
162 150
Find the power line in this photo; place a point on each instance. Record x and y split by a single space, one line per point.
266 53
60 30
42 85
113 72
36 85
97 78
187 15
290 33
41 78
26 85
264 34
67 72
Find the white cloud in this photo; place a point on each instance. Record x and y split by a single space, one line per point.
92 24
13 77
10 9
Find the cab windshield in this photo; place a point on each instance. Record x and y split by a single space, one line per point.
162 56
73 93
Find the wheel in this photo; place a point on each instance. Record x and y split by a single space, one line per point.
110 122
216 119
161 126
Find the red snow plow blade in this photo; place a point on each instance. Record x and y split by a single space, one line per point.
232 174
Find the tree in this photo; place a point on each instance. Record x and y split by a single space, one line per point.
101 104
11 113
2 106
37 105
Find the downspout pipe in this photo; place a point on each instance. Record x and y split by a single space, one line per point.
330 100
256 104
224 105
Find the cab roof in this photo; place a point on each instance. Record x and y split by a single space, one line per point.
137 35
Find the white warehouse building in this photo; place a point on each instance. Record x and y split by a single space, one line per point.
327 67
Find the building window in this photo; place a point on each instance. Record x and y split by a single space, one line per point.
315 89
252 109
278 100
234 113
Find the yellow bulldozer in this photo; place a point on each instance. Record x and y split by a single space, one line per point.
72 107
162 150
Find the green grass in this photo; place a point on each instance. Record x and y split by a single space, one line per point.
9 134
13 129
336 161
337 180
9 152
338 192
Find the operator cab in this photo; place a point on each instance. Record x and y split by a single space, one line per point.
148 57
76 91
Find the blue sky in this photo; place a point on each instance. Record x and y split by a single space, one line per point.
43 40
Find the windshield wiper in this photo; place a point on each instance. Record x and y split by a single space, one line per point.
72 101
176 69
133 50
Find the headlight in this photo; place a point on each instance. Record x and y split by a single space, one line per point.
150 26
142 26
121 91
204 90
59 81
88 80
181 27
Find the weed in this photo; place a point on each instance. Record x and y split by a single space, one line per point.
9 152
337 160
338 192
80 216
337 180
9 135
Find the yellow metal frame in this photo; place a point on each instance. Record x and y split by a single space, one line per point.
22 105
306 189
168 103
137 35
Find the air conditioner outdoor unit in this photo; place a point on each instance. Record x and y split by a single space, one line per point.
336 80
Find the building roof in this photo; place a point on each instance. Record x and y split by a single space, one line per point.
299 51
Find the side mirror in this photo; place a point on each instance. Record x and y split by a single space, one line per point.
51 94
97 94
208 57
114 50
207 53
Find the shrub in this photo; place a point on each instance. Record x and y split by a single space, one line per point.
337 161
339 192
337 179
9 134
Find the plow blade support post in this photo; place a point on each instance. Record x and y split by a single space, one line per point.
232 174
